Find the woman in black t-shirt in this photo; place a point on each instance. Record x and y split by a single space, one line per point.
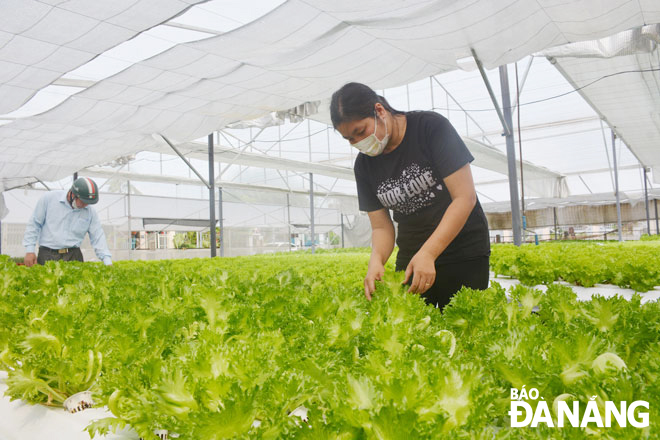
416 165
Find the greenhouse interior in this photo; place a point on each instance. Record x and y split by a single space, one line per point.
238 297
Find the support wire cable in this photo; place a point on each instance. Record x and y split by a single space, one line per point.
565 93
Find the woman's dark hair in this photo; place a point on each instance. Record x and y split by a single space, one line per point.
356 101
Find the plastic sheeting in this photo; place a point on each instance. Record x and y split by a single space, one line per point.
244 193
581 200
539 181
40 41
241 157
357 231
300 52
581 210
244 210
3 207
619 77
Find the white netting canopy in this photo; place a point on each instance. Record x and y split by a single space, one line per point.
42 40
126 91
299 52
621 72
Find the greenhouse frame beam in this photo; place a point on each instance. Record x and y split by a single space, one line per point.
601 170
157 178
284 179
585 184
263 214
240 152
221 223
646 204
568 174
189 27
329 193
481 194
342 229
554 124
522 83
41 181
288 218
211 187
505 125
483 132
607 153
511 156
616 187
176 150
226 154
311 209
128 216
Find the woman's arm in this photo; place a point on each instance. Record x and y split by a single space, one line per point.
463 198
382 245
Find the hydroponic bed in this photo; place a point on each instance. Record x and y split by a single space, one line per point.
234 348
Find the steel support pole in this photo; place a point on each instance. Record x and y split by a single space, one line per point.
506 123
511 157
554 212
657 226
342 230
221 222
309 139
432 100
211 185
522 83
458 104
616 188
288 219
128 214
646 204
311 209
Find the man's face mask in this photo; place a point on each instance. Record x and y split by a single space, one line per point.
75 201
371 145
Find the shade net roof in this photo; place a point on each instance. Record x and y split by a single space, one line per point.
300 52
41 41
623 77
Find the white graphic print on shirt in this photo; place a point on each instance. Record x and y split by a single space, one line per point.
409 192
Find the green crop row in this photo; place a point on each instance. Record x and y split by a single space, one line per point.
239 348
634 265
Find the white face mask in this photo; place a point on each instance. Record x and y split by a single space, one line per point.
74 204
371 145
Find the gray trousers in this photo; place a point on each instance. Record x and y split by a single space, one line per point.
48 254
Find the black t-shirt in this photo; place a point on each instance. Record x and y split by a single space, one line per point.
409 181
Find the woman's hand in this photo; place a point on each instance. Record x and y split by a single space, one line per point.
375 273
382 243
422 267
